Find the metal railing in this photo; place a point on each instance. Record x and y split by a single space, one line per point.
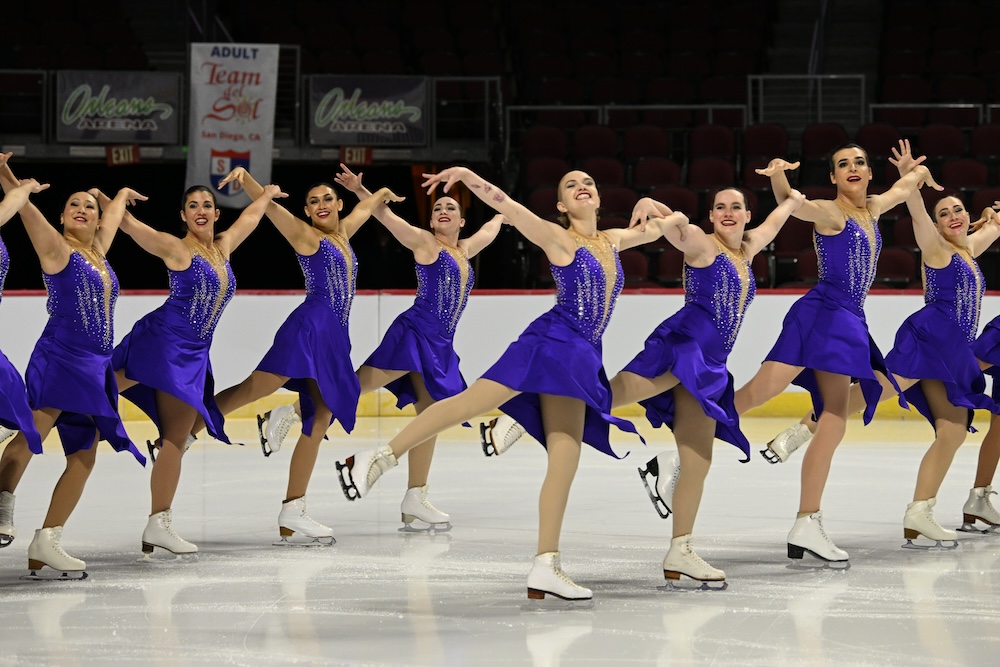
977 109
807 96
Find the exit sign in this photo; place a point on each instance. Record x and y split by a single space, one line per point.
356 155
122 154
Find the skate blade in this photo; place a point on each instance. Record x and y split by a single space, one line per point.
939 545
688 585
489 449
57 575
425 528
5 540
552 602
769 455
347 484
967 527
814 562
265 446
153 449
305 542
652 470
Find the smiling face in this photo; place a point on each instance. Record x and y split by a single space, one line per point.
323 205
952 219
81 214
200 212
578 197
446 216
850 169
729 212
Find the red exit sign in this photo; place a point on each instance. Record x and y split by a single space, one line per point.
123 154
356 155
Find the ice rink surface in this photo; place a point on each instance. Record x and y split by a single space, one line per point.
379 597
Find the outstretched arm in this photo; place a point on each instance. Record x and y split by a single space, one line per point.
167 247
551 238
17 198
297 232
413 238
366 207
651 220
810 211
987 231
111 217
761 236
908 183
476 243
52 250
238 232
933 247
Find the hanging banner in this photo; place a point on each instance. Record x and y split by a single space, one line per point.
233 96
367 110
117 107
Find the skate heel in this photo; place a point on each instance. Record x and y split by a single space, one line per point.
35 564
147 548
535 594
969 518
408 518
796 552
910 534
671 575
285 532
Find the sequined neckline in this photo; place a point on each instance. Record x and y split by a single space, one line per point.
340 242
95 259
603 250
217 260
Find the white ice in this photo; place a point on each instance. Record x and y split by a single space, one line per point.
379 597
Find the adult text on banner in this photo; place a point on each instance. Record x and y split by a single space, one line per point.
117 107
233 94
367 110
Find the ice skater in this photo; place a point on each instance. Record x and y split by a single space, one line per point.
71 385
824 340
416 358
680 377
311 353
15 413
561 404
163 364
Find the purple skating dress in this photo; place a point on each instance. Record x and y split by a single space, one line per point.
421 339
987 348
826 330
167 350
695 342
70 367
935 343
15 413
314 342
560 352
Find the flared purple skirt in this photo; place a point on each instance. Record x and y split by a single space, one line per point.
15 413
161 356
416 342
688 345
825 331
312 344
553 357
929 346
80 383
987 349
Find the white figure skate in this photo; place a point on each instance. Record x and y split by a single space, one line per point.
160 533
499 435
273 427
416 507
46 550
7 530
359 472
786 442
919 520
293 520
547 578
977 508
682 561
661 492
808 535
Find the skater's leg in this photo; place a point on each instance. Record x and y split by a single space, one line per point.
628 388
176 421
17 456
950 431
694 432
563 419
70 486
832 425
306 451
770 380
258 385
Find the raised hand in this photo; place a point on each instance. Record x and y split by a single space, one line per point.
797 198
903 158
235 175
274 191
448 177
388 195
33 185
4 157
348 179
132 196
776 165
645 210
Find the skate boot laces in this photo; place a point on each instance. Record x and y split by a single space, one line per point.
379 464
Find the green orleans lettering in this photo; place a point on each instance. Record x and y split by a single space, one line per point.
334 110
82 104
